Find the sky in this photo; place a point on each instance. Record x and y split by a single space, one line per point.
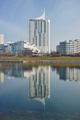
64 18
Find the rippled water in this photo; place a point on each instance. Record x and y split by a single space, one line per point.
39 92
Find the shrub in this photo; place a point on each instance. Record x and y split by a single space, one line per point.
56 55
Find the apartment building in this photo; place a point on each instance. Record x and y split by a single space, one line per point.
19 46
69 47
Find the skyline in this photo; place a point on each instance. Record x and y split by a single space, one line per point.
63 15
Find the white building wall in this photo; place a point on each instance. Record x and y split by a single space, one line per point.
1 39
19 46
69 47
57 48
9 46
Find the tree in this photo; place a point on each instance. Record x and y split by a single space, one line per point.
58 52
6 53
24 52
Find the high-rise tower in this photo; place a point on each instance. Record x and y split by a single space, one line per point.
1 39
39 33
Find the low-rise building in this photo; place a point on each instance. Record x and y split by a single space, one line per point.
18 47
3 47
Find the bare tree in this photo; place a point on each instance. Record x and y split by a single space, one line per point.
58 52
8 53
24 52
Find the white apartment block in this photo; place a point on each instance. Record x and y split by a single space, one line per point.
69 47
1 39
39 33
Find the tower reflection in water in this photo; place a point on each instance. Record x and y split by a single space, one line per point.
39 84
39 79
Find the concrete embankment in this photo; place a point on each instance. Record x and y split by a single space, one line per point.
40 61
10 61
50 61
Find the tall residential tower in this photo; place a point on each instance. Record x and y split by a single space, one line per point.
39 33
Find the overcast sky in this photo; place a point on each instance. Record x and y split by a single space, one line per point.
64 18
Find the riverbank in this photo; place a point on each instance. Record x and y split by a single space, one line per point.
7 64
39 61
44 60
40 58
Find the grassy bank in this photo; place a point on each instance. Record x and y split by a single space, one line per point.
4 65
25 58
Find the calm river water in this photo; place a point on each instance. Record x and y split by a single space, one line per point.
39 92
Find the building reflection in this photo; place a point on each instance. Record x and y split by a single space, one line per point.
17 71
1 77
39 79
39 84
69 73
21 72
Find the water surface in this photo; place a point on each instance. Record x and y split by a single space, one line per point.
39 92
